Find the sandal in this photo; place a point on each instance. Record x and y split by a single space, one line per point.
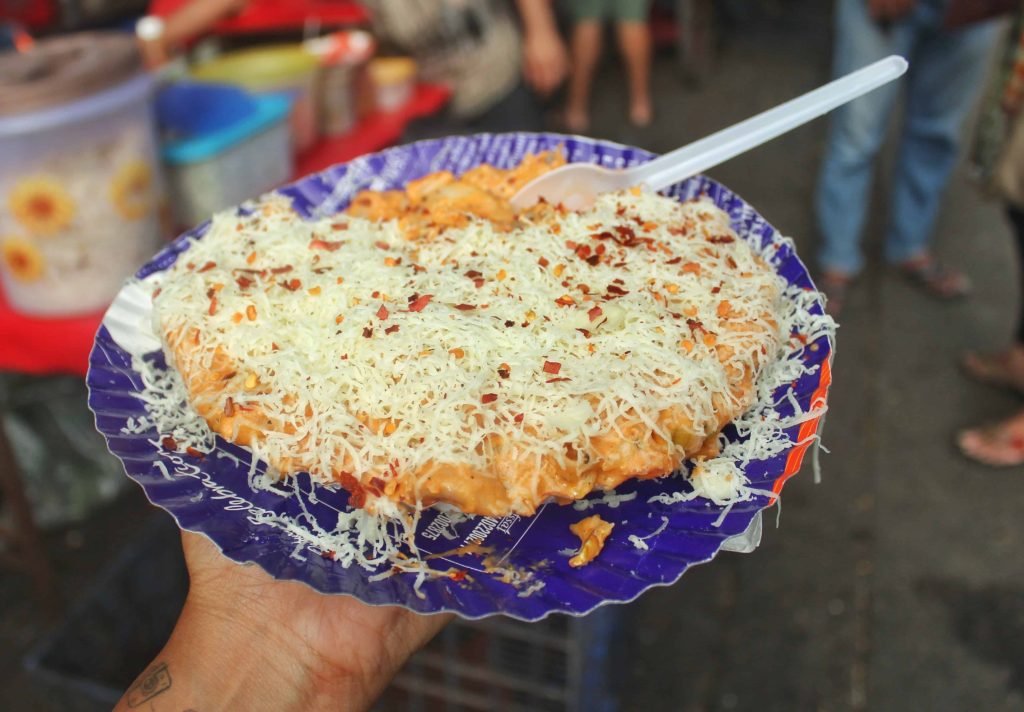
941 282
1004 369
835 287
997 445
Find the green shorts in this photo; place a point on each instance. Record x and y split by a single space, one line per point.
618 10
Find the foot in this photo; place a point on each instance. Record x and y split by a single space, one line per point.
939 281
1004 369
834 285
577 121
640 114
999 445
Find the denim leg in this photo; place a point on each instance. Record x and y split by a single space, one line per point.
947 76
855 134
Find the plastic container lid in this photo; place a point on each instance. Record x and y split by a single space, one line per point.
392 70
249 115
259 69
64 69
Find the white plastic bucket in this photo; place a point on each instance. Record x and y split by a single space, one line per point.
81 199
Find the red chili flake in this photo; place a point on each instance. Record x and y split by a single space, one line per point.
595 313
583 288
488 398
339 226
543 262
504 370
620 209
281 270
291 285
344 357
391 329
169 443
674 261
329 555
557 380
518 418
243 282
465 307
509 323
594 260
565 300
195 453
367 332
801 338
190 265
420 302
207 267
375 294
695 325
213 304
552 367
721 239
457 575
716 289
625 231
473 274
229 407
382 313
381 245
156 292
615 289
730 261
601 249
357 495
478 282
586 334
274 346
605 235
325 245
583 251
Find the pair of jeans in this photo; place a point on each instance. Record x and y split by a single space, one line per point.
946 75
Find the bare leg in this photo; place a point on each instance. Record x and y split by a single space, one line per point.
586 51
635 45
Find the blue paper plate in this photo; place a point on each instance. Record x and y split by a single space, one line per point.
212 495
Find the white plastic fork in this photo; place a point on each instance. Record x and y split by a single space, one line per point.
577 184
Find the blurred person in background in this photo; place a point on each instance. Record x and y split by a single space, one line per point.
999 157
633 32
498 72
947 71
498 68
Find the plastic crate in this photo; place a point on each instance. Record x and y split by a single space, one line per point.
559 664
118 626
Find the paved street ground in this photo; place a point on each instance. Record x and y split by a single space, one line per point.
897 582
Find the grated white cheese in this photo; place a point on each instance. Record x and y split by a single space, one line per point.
321 310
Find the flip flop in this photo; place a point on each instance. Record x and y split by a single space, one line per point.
994 369
835 288
997 445
939 281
